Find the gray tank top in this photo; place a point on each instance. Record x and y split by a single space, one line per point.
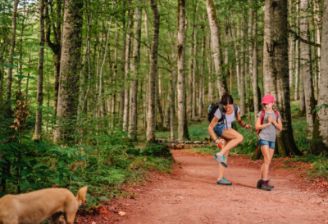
268 133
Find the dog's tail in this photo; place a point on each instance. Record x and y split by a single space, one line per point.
81 195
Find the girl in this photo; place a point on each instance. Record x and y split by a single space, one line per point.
267 123
220 126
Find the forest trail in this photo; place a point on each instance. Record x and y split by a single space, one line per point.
190 195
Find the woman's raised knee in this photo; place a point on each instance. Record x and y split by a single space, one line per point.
240 138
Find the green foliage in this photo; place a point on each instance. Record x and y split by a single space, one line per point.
319 164
156 150
102 160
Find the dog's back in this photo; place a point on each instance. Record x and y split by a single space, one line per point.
36 206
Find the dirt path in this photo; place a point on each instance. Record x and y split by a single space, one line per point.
190 195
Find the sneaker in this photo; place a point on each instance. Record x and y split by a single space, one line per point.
269 185
223 181
221 159
265 187
259 184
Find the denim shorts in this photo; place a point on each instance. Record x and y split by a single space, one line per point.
218 129
271 144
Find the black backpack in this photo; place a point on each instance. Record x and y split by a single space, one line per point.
214 106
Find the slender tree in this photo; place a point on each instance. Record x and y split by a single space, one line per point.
54 26
215 46
11 55
306 71
38 116
134 71
151 113
253 55
181 93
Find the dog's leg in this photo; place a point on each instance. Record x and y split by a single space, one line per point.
58 218
70 218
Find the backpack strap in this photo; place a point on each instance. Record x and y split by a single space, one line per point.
276 113
235 108
222 113
262 115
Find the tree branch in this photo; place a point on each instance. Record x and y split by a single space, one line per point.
298 37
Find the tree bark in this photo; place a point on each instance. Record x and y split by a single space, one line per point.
38 116
323 84
11 57
182 134
275 68
215 46
69 72
151 113
134 72
56 28
127 71
306 72
253 57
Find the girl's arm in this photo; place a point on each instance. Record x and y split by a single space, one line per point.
277 124
211 126
259 126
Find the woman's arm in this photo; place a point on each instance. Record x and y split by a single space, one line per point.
241 122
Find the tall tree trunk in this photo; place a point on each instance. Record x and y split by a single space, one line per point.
134 72
69 72
172 104
127 71
253 56
11 56
100 96
151 113
317 26
215 46
243 61
182 134
38 116
275 67
86 73
323 84
20 68
192 85
56 28
306 72
297 55
269 74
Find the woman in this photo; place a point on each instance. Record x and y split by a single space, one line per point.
220 127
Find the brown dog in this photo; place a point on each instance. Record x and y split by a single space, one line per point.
35 207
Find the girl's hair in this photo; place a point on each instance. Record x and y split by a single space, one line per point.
226 99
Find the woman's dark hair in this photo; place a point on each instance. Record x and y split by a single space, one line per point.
226 99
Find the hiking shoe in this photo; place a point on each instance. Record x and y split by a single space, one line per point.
259 184
221 159
270 185
223 181
265 187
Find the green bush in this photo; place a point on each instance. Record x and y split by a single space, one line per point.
156 150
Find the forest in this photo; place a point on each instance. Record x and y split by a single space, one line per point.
90 89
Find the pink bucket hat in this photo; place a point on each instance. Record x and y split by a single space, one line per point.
268 99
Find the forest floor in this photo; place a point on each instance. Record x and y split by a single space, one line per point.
190 195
